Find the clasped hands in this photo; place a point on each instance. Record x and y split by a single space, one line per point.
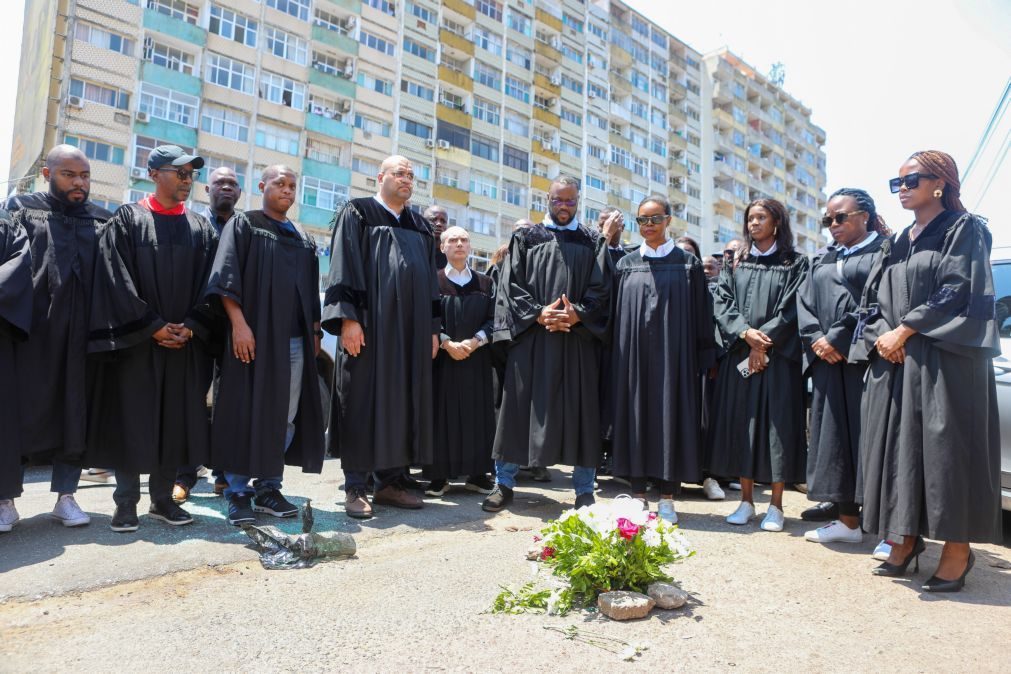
173 336
461 350
760 343
560 316
892 345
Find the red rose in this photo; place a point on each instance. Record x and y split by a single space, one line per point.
627 528
547 552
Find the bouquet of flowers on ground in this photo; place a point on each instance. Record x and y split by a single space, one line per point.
594 549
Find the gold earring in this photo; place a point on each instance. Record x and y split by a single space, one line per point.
938 194
775 231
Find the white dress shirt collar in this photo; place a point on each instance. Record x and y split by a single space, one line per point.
663 250
384 205
757 253
460 278
844 251
548 222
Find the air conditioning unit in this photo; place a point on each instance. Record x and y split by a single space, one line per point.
429 143
142 116
554 41
75 101
556 80
443 144
349 70
345 106
137 173
349 22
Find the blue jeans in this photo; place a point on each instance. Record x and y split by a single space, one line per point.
360 478
64 480
239 484
582 476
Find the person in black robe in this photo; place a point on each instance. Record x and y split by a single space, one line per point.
52 381
224 192
554 305
268 411
931 437
150 327
610 224
827 305
759 433
464 391
382 298
15 325
662 341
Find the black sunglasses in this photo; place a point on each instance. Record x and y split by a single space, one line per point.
838 218
911 180
655 219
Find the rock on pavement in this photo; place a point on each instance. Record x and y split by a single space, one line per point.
623 605
667 596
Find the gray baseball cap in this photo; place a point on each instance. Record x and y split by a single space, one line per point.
172 155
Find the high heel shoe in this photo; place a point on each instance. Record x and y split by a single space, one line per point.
936 584
895 570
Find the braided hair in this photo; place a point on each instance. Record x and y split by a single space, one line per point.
942 165
781 218
866 204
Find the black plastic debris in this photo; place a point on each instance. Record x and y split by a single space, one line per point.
279 550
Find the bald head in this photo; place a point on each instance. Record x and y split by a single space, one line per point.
224 190
272 172
69 174
456 246
396 181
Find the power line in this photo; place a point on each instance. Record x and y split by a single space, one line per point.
998 114
994 169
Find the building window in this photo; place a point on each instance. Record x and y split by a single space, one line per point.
517 89
449 177
328 107
412 47
322 151
572 22
168 57
658 146
96 93
572 116
514 193
487 40
419 90
168 104
384 6
296 8
572 84
520 23
517 123
480 222
570 149
177 9
99 37
489 8
423 13
621 157
226 72
282 90
595 91
228 24
323 193
484 185
409 126
486 111
572 54
365 166
521 56
286 46
657 173
377 43
214 163
597 151
516 158
331 22
451 100
369 125
373 83
142 146
225 122
457 136
483 147
599 31
595 182
640 167
487 75
277 138
97 150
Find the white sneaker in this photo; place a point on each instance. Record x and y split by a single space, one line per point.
744 514
96 475
882 552
773 519
69 513
834 532
711 488
734 486
8 515
665 511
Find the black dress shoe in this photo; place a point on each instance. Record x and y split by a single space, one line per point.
936 584
823 512
167 511
540 474
498 499
585 500
124 519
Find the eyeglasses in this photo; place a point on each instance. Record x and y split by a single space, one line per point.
655 219
911 181
182 173
571 203
838 218
403 175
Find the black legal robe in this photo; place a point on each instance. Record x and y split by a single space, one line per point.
614 255
15 326
464 391
827 304
52 381
150 405
758 431
662 339
383 275
931 439
273 274
551 409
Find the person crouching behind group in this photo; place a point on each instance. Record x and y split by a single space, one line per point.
268 412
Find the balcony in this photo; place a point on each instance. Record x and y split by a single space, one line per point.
678 91
460 7
442 192
548 51
340 175
166 77
456 41
169 132
548 19
456 77
155 20
677 142
312 216
335 39
341 85
546 116
334 128
545 83
453 115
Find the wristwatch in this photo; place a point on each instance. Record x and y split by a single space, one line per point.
744 332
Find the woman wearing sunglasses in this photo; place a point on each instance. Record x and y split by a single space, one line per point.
759 434
827 305
662 339
931 441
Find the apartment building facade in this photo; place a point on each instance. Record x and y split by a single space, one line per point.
490 100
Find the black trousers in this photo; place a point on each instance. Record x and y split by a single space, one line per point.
159 485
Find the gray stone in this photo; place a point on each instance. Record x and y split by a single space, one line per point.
623 605
667 596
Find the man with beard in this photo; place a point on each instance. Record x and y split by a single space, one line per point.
382 298
553 305
268 413
151 325
61 226
224 191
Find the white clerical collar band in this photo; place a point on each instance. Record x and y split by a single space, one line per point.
663 250
548 222
757 253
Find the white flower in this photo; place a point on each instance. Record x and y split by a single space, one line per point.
629 653
651 537
629 508
553 599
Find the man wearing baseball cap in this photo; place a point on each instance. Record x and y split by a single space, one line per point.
148 414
